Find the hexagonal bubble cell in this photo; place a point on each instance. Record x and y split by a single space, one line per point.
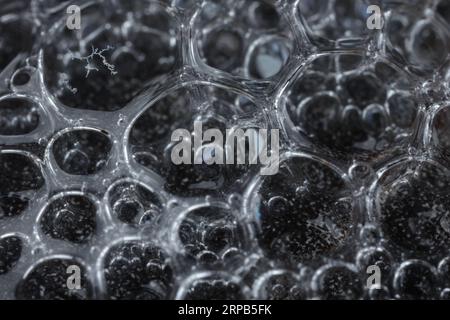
69 217
48 280
208 232
329 21
117 52
416 280
18 116
133 203
20 177
337 281
350 107
279 285
151 143
303 212
410 202
212 286
184 4
17 31
243 43
441 131
10 252
82 151
418 38
134 269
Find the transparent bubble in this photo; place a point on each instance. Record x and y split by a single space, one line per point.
443 9
263 15
206 286
48 280
20 178
327 22
22 77
12 205
428 45
17 34
136 270
226 47
19 173
382 293
208 232
82 151
441 131
444 271
279 285
345 113
105 65
18 116
268 58
376 256
369 235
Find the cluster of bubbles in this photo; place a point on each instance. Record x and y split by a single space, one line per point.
86 179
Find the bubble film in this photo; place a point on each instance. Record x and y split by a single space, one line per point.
87 182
